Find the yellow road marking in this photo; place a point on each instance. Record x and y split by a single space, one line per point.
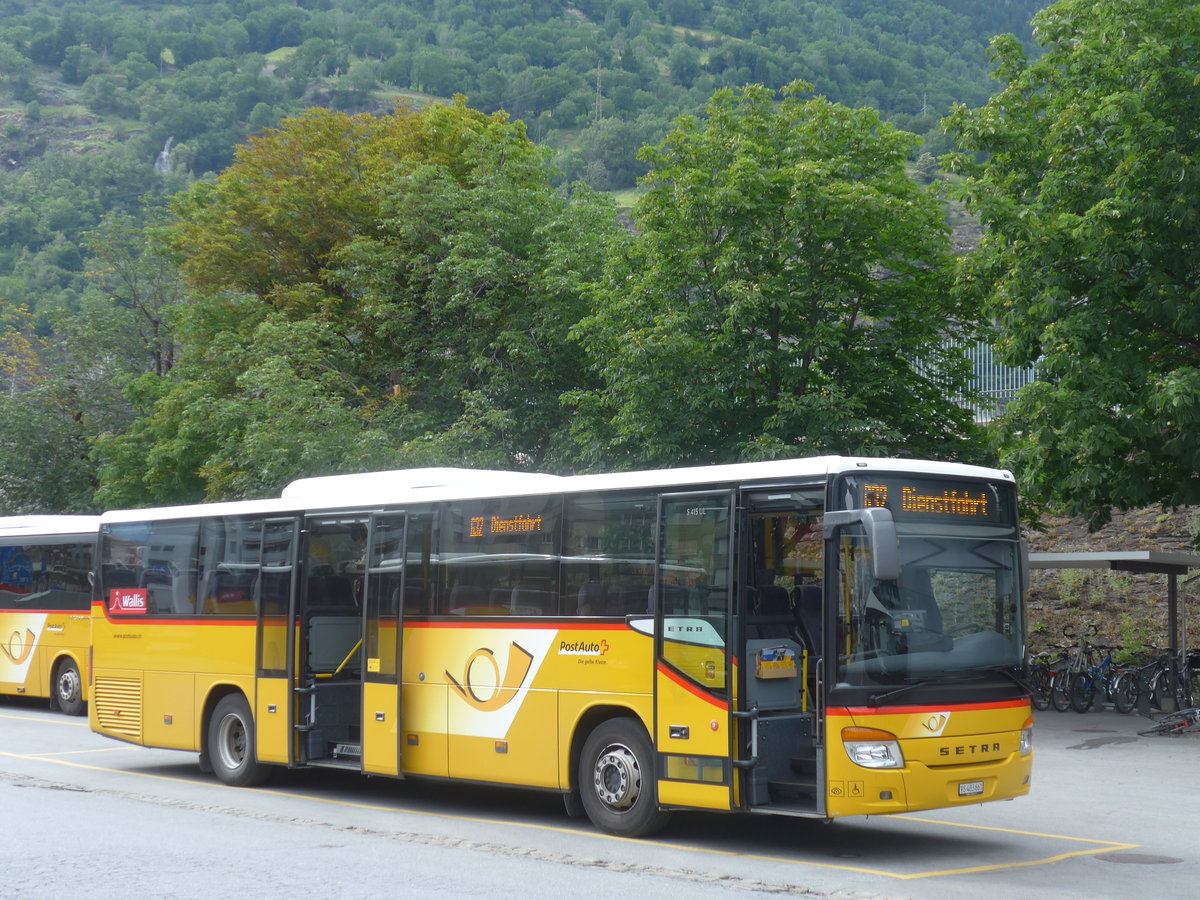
1097 845
46 756
48 720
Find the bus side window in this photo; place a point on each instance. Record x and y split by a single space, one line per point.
608 553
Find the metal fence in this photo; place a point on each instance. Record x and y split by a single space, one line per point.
996 382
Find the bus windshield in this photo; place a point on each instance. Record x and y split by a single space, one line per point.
955 608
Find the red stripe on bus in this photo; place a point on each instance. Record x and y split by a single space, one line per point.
517 624
693 689
154 619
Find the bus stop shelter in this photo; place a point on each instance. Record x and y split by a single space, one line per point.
1143 562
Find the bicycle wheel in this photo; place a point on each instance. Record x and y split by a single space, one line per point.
1175 723
1125 692
1039 679
1166 690
1081 693
1185 691
1060 690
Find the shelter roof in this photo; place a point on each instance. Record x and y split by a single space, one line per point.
1171 563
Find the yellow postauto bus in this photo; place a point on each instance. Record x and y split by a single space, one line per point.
815 637
44 607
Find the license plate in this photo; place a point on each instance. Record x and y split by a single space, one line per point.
970 789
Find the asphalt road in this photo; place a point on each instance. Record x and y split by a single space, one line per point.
1111 814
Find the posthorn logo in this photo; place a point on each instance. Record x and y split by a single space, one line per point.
936 723
19 647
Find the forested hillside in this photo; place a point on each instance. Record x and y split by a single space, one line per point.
104 104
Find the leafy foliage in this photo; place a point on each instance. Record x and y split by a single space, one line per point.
371 292
1091 197
784 288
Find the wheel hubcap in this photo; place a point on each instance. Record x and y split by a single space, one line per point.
232 741
68 685
617 777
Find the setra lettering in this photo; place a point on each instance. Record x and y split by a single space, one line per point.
969 749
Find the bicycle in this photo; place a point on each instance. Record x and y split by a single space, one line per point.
1073 661
1175 685
1176 723
1161 683
1095 679
1042 667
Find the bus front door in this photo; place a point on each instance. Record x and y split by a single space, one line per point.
781 612
693 735
276 583
396 576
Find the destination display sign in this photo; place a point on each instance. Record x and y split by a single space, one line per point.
932 499
484 526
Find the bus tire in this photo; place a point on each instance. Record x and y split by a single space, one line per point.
68 688
232 751
617 781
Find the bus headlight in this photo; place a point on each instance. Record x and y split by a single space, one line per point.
1026 744
872 748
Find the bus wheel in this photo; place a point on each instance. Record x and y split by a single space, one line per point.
68 688
231 745
617 781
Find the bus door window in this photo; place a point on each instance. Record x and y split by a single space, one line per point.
334 584
694 568
398 580
787 575
277 564
336 564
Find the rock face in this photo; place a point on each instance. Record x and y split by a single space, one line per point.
1128 610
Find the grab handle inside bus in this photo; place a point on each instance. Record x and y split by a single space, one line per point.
881 537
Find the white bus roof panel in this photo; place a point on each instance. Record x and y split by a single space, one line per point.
373 490
25 526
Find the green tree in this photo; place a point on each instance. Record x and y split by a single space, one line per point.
1090 195
134 272
784 295
43 450
369 293
684 64
44 465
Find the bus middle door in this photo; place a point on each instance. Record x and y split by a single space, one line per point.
693 734
275 698
329 662
395 580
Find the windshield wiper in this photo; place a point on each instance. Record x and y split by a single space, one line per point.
1010 672
878 699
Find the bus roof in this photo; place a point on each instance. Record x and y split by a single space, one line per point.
412 486
36 526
